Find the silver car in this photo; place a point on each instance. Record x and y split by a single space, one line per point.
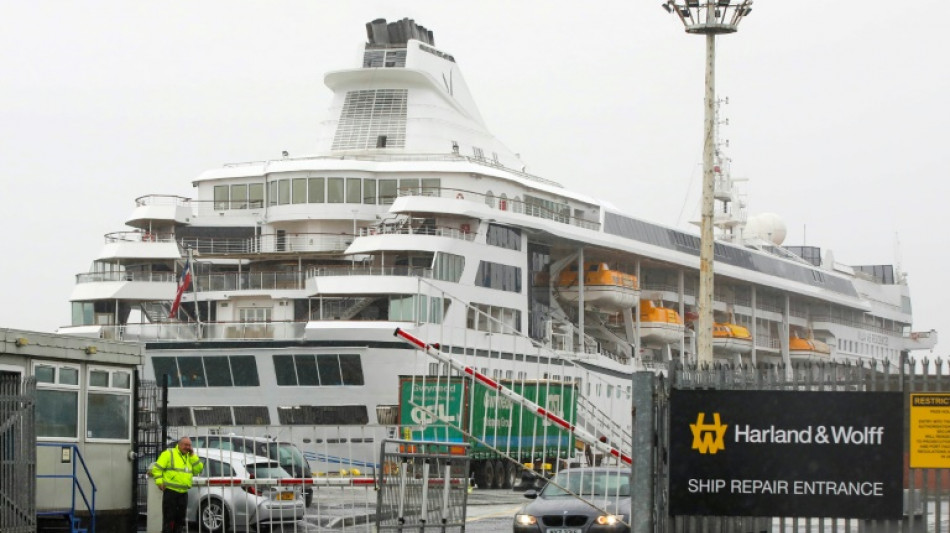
223 507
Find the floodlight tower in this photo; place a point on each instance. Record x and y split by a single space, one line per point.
709 18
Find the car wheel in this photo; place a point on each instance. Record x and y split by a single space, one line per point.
308 498
213 516
484 473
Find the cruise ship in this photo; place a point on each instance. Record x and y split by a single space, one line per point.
412 215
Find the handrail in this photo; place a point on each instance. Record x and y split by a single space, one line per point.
76 454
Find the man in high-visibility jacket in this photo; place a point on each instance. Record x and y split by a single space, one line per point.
172 472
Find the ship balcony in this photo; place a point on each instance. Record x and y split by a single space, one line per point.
922 340
159 207
501 203
191 331
127 285
463 233
270 244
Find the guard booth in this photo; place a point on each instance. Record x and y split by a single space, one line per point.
66 410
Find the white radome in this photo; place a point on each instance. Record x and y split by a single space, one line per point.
766 226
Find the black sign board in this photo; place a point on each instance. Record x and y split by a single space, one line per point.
786 453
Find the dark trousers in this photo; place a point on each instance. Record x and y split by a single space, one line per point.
174 505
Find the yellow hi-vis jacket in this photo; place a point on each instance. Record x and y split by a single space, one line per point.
174 470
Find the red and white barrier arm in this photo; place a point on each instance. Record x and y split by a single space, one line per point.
580 433
319 481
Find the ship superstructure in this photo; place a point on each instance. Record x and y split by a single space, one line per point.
413 215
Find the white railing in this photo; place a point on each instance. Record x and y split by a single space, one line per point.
148 277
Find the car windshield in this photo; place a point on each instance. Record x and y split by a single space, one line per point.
588 482
290 455
266 471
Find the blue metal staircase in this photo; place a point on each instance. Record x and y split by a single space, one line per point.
88 501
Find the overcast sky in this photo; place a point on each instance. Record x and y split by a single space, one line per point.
838 115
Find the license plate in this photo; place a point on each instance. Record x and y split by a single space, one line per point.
290 496
564 530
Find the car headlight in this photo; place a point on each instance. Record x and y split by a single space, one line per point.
525 520
609 519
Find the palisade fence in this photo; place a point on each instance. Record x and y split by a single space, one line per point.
17 455
926 495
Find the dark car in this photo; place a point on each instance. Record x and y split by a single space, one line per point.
560 507
288 455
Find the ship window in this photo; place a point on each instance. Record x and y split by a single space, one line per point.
179 416
329 370
83 313
431 186
498 276
351 369
283 192
387 191
323 415
239 196
255 195
381 141
306 370
353 192
251 415
369 191
335 190
166 366
221 196
408 187
316 193
503 237
244 370
219 371
284 369
272 193
213 416
448 267
299 191
192 372
493 319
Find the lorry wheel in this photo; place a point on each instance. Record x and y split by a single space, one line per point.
500 474
483 474
512 475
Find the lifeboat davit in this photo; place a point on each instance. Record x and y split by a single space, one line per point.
603 288
808 348
660 324
731 339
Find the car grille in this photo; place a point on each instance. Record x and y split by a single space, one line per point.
557 520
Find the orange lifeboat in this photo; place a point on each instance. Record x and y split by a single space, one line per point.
660 324
807 348
604 288
729 338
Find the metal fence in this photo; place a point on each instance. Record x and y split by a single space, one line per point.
424 486
17 455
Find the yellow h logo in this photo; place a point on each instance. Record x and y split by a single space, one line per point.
708 438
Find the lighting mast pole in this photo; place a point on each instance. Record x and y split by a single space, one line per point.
710 18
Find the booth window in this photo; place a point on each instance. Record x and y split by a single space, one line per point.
109 404
57 401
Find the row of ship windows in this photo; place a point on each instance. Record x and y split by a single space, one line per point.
321 190
258 415
864 348
241 370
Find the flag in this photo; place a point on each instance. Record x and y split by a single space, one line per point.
184 281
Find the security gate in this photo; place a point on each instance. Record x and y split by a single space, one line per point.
17 454
422 485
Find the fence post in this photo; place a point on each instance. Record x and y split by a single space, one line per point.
644 424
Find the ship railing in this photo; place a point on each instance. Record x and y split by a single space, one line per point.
149 277
440 231
409 157
360 270
268 244
138 236
501 203
185 331
236 281
768 342
858 325
162 199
